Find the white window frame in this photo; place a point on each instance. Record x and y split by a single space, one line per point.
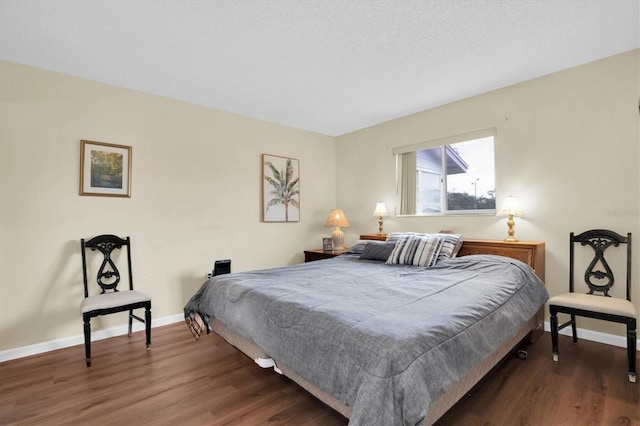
442 142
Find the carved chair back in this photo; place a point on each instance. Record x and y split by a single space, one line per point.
599 275
108 276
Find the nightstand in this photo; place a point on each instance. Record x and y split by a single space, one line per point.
319 254
375 237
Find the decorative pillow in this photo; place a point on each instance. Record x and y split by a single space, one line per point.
377 250
418 250
397 236
358 247
451 244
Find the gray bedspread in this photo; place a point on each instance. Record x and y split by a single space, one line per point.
384 339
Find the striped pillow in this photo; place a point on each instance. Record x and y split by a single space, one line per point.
451 244
418 250
397 236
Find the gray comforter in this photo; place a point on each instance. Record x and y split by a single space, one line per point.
384 339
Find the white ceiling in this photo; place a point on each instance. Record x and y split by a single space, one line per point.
330 66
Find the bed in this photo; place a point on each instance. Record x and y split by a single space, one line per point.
382 343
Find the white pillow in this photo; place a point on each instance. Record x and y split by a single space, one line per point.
418 250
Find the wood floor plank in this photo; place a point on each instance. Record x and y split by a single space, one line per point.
208 382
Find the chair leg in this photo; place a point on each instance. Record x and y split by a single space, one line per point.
130 321
147 323
87 340
631 351
574 331
554 335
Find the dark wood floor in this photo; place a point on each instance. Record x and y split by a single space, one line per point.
207 382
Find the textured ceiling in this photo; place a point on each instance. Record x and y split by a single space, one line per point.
330 66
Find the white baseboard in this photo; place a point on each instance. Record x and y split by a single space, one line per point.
39 348
595 336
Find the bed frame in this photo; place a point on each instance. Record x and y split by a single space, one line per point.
531 253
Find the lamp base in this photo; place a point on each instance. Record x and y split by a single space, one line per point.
337 237
510 223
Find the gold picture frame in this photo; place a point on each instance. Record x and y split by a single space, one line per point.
280 189
105 169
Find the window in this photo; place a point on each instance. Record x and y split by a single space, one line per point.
449 176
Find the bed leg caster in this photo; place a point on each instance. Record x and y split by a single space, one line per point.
522 354
632 377
555 357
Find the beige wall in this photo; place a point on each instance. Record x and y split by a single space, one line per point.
196 181
195 197
568 145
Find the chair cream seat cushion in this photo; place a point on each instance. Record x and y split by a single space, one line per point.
112 300
591 302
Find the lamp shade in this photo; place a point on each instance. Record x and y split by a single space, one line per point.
510 207
336 218
381 210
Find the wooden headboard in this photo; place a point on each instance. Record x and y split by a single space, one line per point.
531 253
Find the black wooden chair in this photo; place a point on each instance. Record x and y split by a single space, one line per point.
111 300
603 307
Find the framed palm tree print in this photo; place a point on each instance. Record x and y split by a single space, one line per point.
280 189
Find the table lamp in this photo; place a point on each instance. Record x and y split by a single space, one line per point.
380 211
510 209
337 218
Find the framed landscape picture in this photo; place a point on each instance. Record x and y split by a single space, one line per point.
105 169
280 189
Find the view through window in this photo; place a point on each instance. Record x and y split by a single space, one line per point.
452 178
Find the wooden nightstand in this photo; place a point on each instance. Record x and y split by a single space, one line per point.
319 254
376 237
